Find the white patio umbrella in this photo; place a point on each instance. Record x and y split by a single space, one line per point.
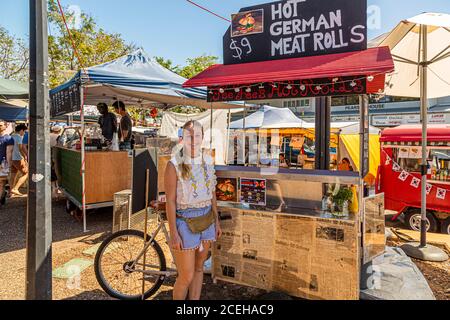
421 50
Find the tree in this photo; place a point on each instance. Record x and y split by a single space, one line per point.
197 65
14 57
168 64
94 45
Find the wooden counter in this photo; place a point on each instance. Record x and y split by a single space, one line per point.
107 172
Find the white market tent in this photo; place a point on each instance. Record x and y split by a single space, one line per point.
270 118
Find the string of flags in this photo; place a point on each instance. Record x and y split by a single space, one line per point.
441 193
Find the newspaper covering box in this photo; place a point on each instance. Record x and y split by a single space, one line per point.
302 256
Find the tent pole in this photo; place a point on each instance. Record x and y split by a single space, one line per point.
424 112
228 138
83 161
211 129
245 135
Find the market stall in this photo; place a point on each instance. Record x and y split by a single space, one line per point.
296 139
299 231
136 80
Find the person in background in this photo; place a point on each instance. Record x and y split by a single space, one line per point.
55 133
108 123
19 167
125 126
345 165
24 145
6 148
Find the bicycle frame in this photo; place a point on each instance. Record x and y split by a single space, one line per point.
161 226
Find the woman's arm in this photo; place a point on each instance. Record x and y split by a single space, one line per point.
170 181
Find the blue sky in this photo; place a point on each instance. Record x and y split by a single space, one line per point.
177 30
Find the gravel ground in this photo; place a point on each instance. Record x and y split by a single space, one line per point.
69 242
436 274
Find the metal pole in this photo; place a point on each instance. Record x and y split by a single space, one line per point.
83 161
39 211
210 130
424 112
245 135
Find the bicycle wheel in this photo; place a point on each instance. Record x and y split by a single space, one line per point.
116 265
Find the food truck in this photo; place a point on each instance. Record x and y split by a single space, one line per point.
306 233
399 175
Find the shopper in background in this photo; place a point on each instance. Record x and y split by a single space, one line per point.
125 126
6 148
55 133
108 123
19 167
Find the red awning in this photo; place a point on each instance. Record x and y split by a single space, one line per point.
374 61
412 133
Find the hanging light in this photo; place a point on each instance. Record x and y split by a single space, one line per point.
248 90
211 92
289 87
353 84
237 90
370 78
303 87
261 86
274 85
221 90
335 80
319 87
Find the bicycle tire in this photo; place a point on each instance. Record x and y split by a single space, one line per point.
115 294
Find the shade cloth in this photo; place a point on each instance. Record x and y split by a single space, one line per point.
405 44
138 80
172 122
374 61
10 89
271 118
13 110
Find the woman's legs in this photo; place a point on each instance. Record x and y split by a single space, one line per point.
185 261
195 289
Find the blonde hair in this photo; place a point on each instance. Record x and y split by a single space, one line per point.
184 168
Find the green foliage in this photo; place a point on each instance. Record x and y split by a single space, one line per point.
95 46
197 65
14 57
168 64
344 194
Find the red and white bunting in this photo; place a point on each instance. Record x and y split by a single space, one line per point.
441 193
429 188
415 182
403 176
396 167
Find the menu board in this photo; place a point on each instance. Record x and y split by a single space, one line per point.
227 189
65 101
253 191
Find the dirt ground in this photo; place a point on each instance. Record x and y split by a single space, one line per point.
70 242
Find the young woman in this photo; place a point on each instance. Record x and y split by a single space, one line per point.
191 210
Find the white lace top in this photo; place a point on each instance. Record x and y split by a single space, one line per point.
197 190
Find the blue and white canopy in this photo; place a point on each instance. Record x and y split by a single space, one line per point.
136 79
13 110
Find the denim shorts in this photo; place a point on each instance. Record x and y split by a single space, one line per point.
192 241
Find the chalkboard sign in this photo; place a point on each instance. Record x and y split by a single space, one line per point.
66 101
143 160
290 90
296 28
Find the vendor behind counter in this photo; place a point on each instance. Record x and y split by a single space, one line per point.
125 126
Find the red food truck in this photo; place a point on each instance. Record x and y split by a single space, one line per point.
399 175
